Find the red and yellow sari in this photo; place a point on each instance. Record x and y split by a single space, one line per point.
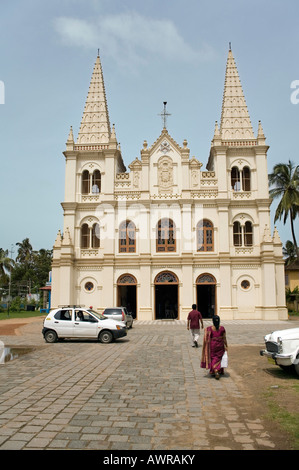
213 349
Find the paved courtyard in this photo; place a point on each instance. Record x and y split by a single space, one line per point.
146 391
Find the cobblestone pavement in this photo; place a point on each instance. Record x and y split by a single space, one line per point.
146 391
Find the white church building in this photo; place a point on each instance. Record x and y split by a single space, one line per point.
167 233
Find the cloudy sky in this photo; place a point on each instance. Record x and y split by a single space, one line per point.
151 51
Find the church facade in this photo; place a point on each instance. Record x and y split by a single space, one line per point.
167 233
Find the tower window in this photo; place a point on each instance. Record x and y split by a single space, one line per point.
96 182
85 182
91 183
243 234
248 235
90 236
240 180
95 236
235 179
85 236
246 178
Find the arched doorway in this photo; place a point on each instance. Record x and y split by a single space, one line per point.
166 296
126 293
206 295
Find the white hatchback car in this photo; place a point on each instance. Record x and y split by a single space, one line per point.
282 348
77 322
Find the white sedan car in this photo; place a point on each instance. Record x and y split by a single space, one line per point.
282 348
77 322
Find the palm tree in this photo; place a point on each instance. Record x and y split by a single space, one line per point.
6 263
25 253
285 182
289 252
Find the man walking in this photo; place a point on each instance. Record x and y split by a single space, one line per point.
193 319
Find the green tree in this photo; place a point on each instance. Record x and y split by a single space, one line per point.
289 252
25 252
285 182
31 270
42 262
6 264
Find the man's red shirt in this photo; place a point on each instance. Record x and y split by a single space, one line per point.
194 316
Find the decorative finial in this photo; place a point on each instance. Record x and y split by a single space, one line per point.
230 46
164 115
98 52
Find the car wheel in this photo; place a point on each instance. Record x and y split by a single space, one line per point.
296 366
51 336
105 336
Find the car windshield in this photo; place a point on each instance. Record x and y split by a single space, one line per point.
100 316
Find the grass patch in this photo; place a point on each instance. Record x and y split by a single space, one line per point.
287 421
21 314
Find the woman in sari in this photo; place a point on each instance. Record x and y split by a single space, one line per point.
213 348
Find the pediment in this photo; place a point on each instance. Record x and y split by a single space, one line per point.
135 165
194 163
165 144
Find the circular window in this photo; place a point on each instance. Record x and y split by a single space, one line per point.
89 286
245 284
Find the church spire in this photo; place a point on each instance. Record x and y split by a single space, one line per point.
95 125
235 120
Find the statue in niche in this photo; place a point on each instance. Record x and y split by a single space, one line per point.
136 179
194 175
165 175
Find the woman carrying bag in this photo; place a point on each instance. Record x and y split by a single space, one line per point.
214 347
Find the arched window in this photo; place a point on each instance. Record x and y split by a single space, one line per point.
237 234
243 234
85 182
166 235
95 236
127 237
240 180
235 179
248 234
205 238
85 236
246 179
96 182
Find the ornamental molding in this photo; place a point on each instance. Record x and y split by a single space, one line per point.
122 176
125 195
89 268
206 266
122 184
245 266
91 198
204 194
88 252
243 250
208 174
209 182
167 196
242 194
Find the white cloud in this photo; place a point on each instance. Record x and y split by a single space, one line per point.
130 39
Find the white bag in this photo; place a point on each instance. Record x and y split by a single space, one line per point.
224 360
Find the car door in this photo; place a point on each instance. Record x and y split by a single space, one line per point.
63 323
85 324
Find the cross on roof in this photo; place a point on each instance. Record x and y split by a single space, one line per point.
164 115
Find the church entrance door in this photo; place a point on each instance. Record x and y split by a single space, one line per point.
166 296
126 293
206 295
